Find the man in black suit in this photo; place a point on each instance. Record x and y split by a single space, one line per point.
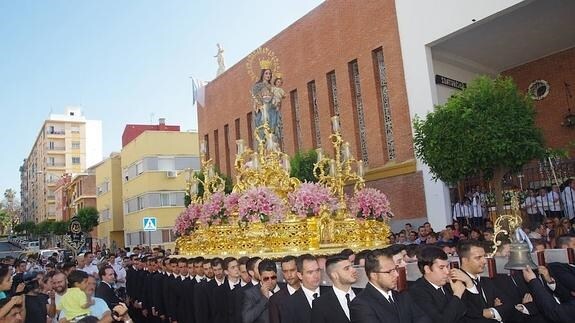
435 293
562 313
298 306
333 305
225 310
564 273
183 293
105 289
483 300
278 300
256 299
379 302
203 294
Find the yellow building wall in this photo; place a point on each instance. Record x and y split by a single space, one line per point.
111 229
149 144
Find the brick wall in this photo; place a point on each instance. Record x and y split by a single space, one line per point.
555 69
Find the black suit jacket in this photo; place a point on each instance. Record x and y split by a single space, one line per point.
297 309
556 312
564 274
254 306
277 301
475 303
441 308
203 302
105 292
327 309
370 306
184 296
224 301
514 288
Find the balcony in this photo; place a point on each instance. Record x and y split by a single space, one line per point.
55 132
56 150
56 165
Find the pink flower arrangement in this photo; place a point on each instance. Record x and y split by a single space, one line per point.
213 210
370 203
309 198
260 204
231 203
186 221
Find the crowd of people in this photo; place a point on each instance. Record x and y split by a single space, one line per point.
147 285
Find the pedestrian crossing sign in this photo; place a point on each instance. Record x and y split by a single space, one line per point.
150 224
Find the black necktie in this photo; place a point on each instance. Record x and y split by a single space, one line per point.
392 302
347 297
315 295
480 289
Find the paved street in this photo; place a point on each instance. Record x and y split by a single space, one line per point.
7 248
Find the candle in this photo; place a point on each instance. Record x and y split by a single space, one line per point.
265 114
240 144
335 123
319 152
360 168
194 188
256 162
346 153
203 147
270 142
332 167
211 172
286 163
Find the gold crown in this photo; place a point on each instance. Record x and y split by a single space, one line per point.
278 75
265 64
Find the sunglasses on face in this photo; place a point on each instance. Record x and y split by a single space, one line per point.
268 278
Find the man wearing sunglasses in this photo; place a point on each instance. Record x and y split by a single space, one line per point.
379 302
256 299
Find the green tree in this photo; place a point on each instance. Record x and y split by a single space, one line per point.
302 164
88 218
25 227
60 228
486 130
44 228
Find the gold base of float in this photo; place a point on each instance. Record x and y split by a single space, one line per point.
315 235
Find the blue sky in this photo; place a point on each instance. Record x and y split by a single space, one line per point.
125 61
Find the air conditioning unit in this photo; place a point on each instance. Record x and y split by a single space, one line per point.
171 174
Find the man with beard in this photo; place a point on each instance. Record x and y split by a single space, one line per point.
333 305
289 270
60 286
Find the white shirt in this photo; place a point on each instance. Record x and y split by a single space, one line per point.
219 283
343 300
309 294
275 290
232 284
91 269
199 278
385 294
554 204
290 289
530 205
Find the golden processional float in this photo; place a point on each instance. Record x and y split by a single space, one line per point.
271 213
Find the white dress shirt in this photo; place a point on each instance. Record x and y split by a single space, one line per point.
343 300
309 294
290 289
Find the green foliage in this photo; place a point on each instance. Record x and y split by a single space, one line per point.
27 227
88 218
227 180
60 228
44 228
302 165
486 128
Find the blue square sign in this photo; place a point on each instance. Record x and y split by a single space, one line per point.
150 224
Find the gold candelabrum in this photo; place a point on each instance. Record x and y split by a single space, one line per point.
267 166
336 172
210 180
